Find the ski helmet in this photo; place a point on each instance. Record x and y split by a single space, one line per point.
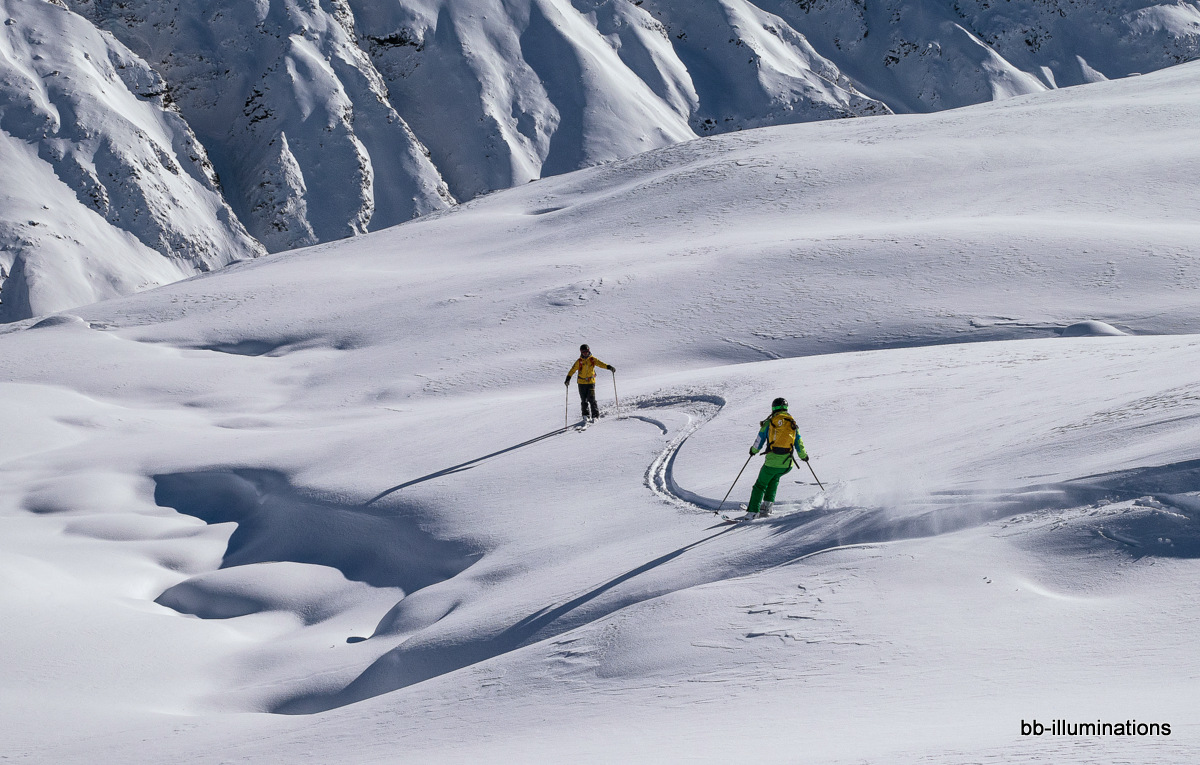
779 403
584 349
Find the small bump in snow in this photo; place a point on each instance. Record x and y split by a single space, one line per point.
1091 328
59 320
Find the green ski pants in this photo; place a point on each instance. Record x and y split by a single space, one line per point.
766 485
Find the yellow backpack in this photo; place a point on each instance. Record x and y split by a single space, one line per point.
781 435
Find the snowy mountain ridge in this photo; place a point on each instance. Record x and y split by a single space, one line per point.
330 118
106 190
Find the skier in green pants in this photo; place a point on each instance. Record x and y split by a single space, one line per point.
779 435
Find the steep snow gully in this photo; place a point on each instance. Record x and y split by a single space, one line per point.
1149 511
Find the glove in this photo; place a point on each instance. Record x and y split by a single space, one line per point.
804 458
753 451
612 369
568 382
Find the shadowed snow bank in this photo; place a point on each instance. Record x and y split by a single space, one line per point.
382 547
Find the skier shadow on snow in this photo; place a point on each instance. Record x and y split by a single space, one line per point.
658 402
462 466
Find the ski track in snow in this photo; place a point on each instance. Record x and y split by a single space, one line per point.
700 408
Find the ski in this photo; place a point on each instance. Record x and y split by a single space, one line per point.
739 519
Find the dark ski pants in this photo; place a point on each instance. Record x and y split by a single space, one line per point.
766 486
587 397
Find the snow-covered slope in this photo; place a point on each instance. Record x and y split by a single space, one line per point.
1010 219
335 484
105 188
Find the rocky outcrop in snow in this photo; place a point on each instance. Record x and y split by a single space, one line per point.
499 92
927 55
105 188
505 91
294 115
301 101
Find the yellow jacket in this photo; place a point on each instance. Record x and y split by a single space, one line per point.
586 367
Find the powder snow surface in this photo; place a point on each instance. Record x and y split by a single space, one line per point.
322 505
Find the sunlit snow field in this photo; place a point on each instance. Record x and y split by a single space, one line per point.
327 505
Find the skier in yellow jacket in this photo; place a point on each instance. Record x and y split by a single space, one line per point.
586 365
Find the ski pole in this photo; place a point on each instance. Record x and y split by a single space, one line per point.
735 480
810 469
616 401
567 406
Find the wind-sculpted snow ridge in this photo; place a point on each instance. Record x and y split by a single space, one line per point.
105 188
1146 511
